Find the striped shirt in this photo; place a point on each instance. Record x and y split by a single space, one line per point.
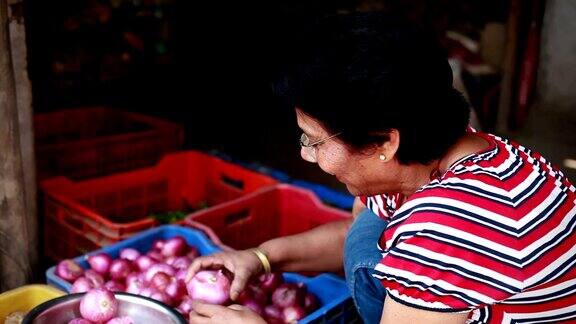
494 236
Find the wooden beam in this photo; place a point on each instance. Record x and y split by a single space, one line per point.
17 217
509 68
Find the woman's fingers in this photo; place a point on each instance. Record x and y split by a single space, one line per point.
202 263
241 277
207 310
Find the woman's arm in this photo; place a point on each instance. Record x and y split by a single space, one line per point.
319 249
397 313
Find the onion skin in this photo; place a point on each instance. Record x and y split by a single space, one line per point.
129 254
310 303
98 305
81 285
96 279
158 245
269 282
176 290
159 267
120 269
272 311
175 246
100 263
114 286
292 314
185 306
287 295
209 286
69 270
144 262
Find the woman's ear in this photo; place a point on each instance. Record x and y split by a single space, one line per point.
388 149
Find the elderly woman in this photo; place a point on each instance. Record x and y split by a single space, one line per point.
450 225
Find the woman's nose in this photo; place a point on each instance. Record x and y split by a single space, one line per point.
307 154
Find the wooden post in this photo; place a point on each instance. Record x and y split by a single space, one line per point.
18 224
508 85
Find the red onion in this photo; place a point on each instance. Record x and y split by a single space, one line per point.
181 263
259 295
121 320
81 285
100 262
79 321
272 311
120 268
271 281
292 314
310 303
185 306
131 277
175 246
96 279
170 260
159 267
154 293
98 305
287 295
135 286
181 274
160 280
114 286
158 245
129 254
68 270
193 253
144 262
255 306
176 290
210 286
156 256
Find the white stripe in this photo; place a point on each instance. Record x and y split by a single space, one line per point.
537 316
536 212
554 291
419 302
432 282
544 241
381 205
462 263
551 268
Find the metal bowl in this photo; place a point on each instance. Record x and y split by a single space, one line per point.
141 309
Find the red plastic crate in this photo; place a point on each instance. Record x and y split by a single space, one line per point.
94 141
108 209
272 212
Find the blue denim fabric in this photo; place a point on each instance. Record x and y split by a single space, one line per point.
360 257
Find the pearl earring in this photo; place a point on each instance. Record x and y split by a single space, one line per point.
382 157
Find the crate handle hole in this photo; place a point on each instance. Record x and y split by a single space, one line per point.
238 184
237 217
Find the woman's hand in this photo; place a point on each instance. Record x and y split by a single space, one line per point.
243 264
234 314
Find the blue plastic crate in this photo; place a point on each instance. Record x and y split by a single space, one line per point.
331 290
143 243
330 196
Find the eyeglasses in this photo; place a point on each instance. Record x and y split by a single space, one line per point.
309 149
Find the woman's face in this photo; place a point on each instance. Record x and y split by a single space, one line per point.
359 171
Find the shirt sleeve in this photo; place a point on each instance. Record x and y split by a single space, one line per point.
440 263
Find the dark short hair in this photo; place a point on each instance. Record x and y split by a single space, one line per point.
369 73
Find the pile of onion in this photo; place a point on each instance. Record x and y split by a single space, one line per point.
278 301
160 272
